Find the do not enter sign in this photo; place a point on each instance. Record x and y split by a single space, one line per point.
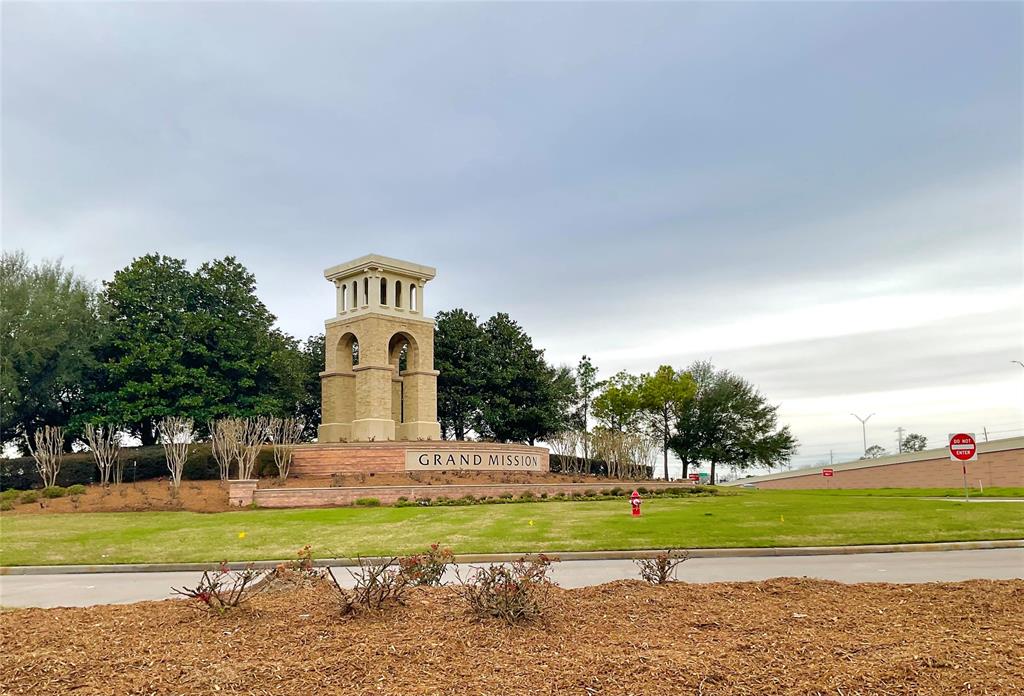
963 447
827 473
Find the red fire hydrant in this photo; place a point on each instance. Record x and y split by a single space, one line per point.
634 501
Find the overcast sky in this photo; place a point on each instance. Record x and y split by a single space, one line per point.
823 197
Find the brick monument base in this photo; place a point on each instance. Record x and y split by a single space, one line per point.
327 459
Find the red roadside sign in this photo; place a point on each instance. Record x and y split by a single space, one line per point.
694 477
963 447
827 473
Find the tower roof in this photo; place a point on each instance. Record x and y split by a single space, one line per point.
384 263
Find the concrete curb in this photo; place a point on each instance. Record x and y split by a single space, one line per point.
561 555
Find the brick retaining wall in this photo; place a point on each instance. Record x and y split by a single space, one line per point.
1000 463
387 495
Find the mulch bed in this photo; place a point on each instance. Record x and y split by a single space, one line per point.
786 636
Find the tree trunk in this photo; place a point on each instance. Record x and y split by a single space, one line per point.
664 439
686 467
712 480
146 433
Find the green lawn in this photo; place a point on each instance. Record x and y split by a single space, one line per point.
995 492
751 518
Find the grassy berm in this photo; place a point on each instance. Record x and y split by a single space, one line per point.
784 636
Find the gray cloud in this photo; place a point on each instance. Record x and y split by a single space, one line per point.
620 177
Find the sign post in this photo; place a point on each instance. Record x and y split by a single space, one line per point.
963 448
828 474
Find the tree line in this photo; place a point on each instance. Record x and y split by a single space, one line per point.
495 384
159 341
156 341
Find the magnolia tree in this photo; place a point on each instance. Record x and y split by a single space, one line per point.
284 433
176 436
105 445
48 452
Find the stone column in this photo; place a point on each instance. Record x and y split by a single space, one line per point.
373 404
421 405
337 404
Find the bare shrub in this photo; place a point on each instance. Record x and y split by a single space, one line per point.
512 592
299 571
427 568
251 436
48 453
176 435
662 568
284 433
105 445
378 584
223 589
224 434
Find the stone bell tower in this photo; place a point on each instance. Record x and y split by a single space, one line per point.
379 382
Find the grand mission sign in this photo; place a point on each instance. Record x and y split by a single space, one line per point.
489 460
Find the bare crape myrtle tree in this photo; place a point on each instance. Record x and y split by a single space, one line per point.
642 452
105 445
566 445
285 434
224 434
176 436
48 452
253 433
627 455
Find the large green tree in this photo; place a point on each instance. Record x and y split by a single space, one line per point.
913 443
729 422
524 399
49 329
586 384
618 405
662 397
460 355
310 404
200 345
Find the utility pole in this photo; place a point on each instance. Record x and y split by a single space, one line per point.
863 428
830 457
984 431
899 439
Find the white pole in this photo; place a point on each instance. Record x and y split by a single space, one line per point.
863 428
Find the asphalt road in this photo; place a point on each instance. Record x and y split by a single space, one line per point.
907 567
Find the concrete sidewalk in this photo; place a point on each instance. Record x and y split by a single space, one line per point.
911 567
562 555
